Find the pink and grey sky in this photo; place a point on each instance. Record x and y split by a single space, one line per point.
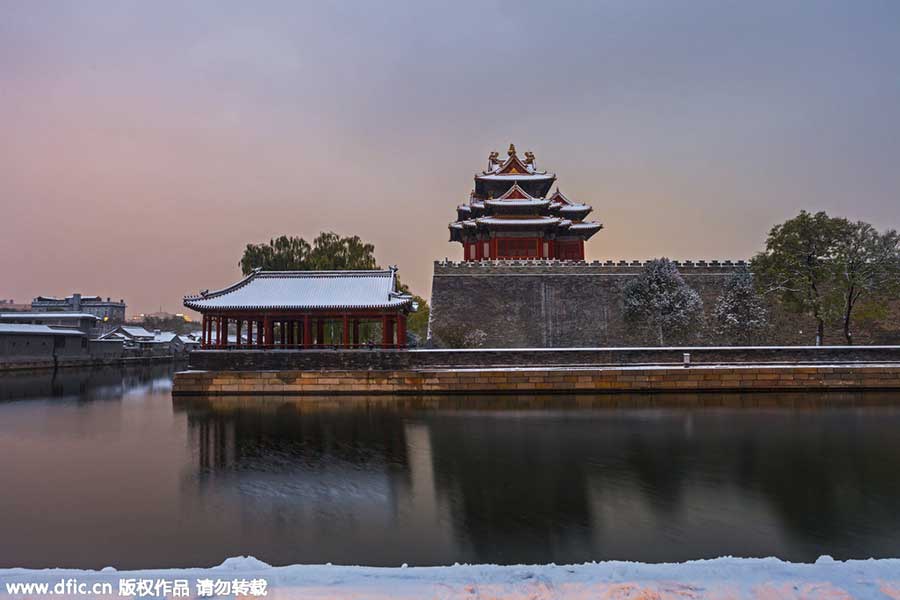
145 143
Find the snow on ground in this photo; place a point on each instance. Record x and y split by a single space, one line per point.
719 579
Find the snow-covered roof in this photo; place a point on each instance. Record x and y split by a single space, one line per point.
586 226
164 336
518 222
112 335
574 208
26 329
519 203
34 315
510 176
134 331
306 290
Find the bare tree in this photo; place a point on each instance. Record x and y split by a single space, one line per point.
867 270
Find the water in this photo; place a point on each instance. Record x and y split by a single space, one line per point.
102 468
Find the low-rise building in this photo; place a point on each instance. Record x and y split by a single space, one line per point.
109 311
84 322
28 343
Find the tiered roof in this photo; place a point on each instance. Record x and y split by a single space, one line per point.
306 290
521 202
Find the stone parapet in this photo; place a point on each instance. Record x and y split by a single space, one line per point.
398 360
566 267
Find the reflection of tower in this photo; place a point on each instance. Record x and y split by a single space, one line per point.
517 484
422 501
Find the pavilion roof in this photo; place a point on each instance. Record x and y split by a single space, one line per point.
297 290
513 168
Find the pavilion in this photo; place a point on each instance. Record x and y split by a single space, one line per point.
293 309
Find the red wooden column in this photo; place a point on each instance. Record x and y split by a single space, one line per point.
268 332
401 330
320 331
345 331
307 331
259 333
282 332
237 332
289 336
225 331
387 331
356 332
250 332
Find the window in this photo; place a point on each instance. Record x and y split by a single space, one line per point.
568 250
517 248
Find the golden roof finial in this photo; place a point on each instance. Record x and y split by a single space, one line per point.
512 150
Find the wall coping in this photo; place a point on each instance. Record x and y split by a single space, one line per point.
446 263
567 349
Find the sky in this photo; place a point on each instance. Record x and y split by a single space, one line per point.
144 144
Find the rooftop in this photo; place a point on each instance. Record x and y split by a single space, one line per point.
26 316
305 290
25 329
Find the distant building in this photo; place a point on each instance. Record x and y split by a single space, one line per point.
109 311
155 343
9 305
84 322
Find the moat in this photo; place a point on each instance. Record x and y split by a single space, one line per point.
102 468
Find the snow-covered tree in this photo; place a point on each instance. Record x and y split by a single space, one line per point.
474 339
740 315
662 305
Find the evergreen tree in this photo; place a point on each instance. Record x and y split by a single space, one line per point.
662 305
740 315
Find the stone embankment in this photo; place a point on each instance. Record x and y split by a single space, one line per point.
541 380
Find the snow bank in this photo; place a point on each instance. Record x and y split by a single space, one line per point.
721 578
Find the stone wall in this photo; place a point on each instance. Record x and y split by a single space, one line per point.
537 381
523 304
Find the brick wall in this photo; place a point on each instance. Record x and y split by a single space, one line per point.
540 381
580 304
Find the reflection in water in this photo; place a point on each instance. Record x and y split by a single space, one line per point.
100 383
580 478
143 480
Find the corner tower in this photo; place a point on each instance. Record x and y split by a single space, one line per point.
512 215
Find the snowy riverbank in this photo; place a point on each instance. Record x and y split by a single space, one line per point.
720 578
